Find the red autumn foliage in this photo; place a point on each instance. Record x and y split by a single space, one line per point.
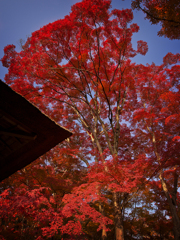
78 70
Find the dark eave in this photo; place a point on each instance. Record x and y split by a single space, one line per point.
25 132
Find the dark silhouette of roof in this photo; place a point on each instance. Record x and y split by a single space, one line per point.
25 132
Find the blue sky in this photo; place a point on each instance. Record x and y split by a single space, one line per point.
19 18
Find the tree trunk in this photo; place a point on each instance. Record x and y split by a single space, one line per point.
172 205
104 235
101 210
118 218
171 200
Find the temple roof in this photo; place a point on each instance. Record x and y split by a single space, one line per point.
25 132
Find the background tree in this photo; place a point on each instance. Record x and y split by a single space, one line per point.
167 13
149 215
158 117
33 198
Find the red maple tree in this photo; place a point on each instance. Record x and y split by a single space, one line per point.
78 71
